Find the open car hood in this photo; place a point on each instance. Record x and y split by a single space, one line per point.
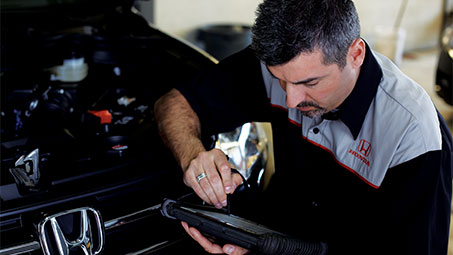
78 87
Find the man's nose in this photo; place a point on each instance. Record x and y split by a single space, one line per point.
294 95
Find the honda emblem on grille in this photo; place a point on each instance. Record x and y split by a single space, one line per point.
73 231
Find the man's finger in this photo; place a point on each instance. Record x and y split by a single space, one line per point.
234 250
201 193
215 181
186 228
225 171
212 247
206 186
212 183
190 179
196 177
236 180
204 242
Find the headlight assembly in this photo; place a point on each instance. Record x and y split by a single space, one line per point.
250 150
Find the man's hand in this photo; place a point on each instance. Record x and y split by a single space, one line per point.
180 130
209 175
212 247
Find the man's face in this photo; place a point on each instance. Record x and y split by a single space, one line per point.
314 88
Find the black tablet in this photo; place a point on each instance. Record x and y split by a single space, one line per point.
236 230
228 228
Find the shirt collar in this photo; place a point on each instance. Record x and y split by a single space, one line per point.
353 110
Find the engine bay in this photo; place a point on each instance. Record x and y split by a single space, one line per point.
79 100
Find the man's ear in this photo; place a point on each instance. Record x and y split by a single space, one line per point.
356 53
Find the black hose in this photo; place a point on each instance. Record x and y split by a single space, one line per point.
279 245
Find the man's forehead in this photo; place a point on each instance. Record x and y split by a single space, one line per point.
301 69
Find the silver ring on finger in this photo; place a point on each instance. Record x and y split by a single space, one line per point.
201 176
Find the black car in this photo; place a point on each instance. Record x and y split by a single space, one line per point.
83 170
444 72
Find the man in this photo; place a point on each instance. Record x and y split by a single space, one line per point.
362 158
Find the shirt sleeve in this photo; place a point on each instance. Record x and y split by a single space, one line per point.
229 94
416 197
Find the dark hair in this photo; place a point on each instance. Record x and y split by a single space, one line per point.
285 28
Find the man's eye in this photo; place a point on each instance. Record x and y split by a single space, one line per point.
311 84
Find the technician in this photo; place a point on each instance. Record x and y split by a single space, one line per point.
363 160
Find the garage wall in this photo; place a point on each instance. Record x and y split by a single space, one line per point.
422 19
182 16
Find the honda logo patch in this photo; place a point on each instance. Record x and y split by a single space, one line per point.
364 147
363 151
78 231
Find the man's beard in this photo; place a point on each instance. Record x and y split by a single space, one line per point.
317 112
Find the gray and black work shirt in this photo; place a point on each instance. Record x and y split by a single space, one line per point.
375 177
